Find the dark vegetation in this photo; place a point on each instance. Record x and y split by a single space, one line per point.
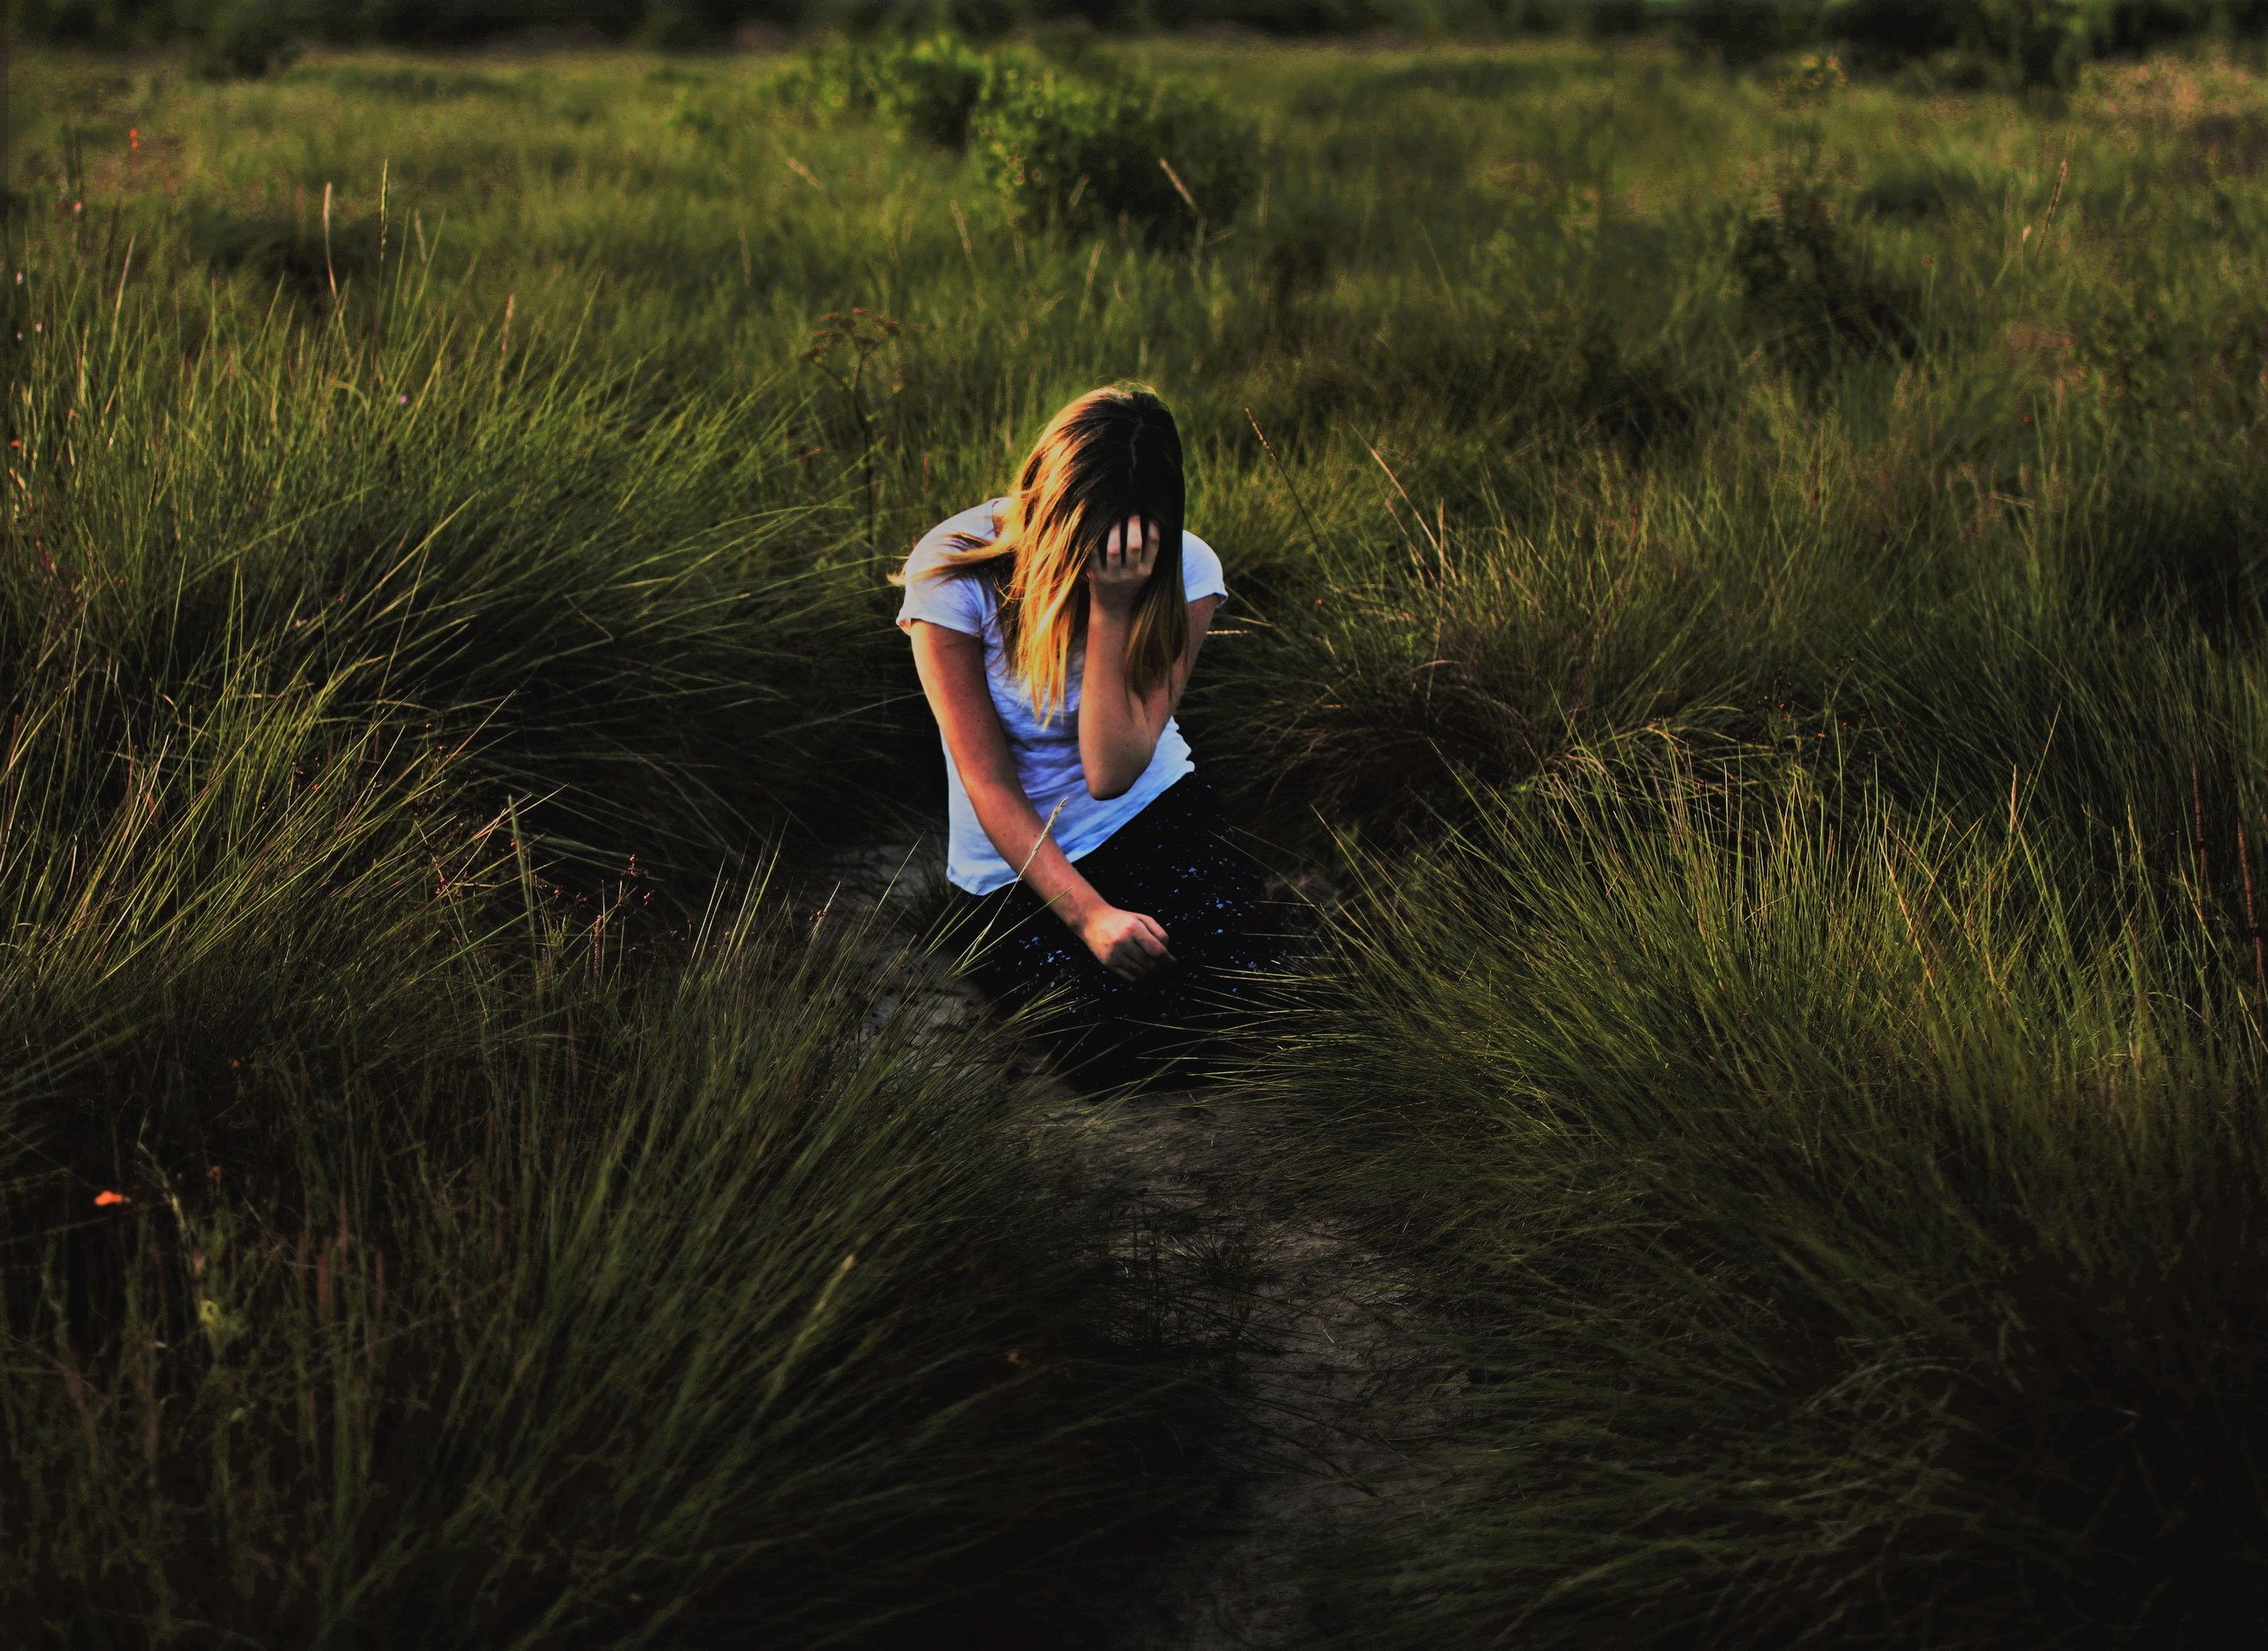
2029 42
1749 584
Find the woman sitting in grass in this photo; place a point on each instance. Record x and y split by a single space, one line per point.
1054 630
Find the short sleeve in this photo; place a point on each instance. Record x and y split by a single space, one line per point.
952 600
1200 569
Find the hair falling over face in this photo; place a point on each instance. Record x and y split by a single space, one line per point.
1113 453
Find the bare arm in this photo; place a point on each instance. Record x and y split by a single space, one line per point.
1119 728
952 676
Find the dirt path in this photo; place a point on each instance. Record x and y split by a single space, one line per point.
1326 1325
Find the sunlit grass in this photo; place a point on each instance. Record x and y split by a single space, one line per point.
1843 1216
1752 587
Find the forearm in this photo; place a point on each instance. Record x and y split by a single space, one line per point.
1116 736
1027 843
951 663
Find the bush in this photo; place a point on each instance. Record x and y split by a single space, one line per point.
2045 41
1919 191
1166 158
1745 31
2039 43
670 25
1608 20
930 89
834 81
1892 32
244 39
1060 148
1808 287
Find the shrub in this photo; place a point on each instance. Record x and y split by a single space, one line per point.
828 82
930 89
1889 32
2039 43
2045 41
1807 285
248 38
671 26
288 250
1166 157
1745 31
1607 20
1061 147
1918 191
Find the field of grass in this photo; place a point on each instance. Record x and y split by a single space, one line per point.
1748 587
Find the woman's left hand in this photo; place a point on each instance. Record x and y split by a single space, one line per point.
1118 570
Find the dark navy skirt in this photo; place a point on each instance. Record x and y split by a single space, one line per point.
1175 861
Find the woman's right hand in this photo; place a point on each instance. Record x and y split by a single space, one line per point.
1128 943
1122 564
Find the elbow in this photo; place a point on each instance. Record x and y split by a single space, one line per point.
1111 768
1105 783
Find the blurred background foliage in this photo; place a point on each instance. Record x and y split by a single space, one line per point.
2039 43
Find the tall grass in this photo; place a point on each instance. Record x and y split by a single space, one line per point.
1753 582
493 535
1797 1006
1846 1216
457 1195
527 1298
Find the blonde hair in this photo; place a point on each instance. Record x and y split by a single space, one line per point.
1113 453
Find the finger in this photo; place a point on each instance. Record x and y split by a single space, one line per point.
1149 543
1115 545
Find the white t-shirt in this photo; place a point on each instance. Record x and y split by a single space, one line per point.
1046 759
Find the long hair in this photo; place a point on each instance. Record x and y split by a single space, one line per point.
1112 454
